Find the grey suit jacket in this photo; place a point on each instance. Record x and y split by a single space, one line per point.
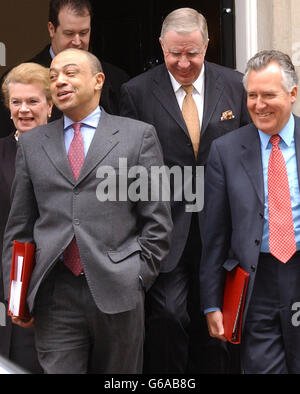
118 241
150 97
234 210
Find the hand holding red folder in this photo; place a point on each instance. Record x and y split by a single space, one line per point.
21 270
233 303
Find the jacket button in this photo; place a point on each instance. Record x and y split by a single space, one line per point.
257 242
76 222
253 268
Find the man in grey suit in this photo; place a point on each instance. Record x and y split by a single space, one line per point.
247 171
95 257
157 97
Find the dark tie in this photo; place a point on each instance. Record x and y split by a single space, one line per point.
281 227
191 117
76 158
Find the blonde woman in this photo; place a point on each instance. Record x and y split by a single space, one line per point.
27 95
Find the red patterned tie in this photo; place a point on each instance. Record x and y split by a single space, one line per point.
76 158
281 228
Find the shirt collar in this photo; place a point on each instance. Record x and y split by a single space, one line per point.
198 84
17 135
286 134
51 52
91 120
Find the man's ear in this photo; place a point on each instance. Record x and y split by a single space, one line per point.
161 43
100 78
294 94
51 29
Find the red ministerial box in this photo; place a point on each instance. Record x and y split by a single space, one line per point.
21 270
233 303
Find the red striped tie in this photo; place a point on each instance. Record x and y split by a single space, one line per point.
76 158
281 227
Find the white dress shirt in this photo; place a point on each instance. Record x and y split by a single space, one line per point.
198 93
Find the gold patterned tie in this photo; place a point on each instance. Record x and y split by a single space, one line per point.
191 117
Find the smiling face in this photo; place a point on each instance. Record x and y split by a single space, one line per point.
269 104
74 88
28 106
184 55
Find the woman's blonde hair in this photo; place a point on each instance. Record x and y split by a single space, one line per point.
27 73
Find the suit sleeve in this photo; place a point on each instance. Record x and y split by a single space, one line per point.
7 126
216 233
154 214
22 217
128 107
245 117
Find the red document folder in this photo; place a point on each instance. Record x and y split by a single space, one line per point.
21 270
233 303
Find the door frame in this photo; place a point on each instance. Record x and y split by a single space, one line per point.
246 32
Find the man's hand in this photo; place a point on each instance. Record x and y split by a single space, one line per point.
23 323
215 325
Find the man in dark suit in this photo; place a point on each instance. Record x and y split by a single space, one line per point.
157 97
95 256
69 26
252 207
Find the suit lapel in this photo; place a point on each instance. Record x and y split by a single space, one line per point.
163 91
213 89
9 149
105 139
54 146
252 160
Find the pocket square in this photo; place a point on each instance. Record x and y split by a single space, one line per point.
227 115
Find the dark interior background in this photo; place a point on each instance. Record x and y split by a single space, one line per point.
126 34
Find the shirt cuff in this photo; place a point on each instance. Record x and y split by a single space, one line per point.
210 310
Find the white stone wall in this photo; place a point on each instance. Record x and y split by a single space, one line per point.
279 28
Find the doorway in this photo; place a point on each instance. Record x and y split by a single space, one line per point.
126 33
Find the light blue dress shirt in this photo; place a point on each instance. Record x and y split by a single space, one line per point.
287 147
88 128
51 52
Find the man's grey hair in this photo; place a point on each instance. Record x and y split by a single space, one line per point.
262 59
185 20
